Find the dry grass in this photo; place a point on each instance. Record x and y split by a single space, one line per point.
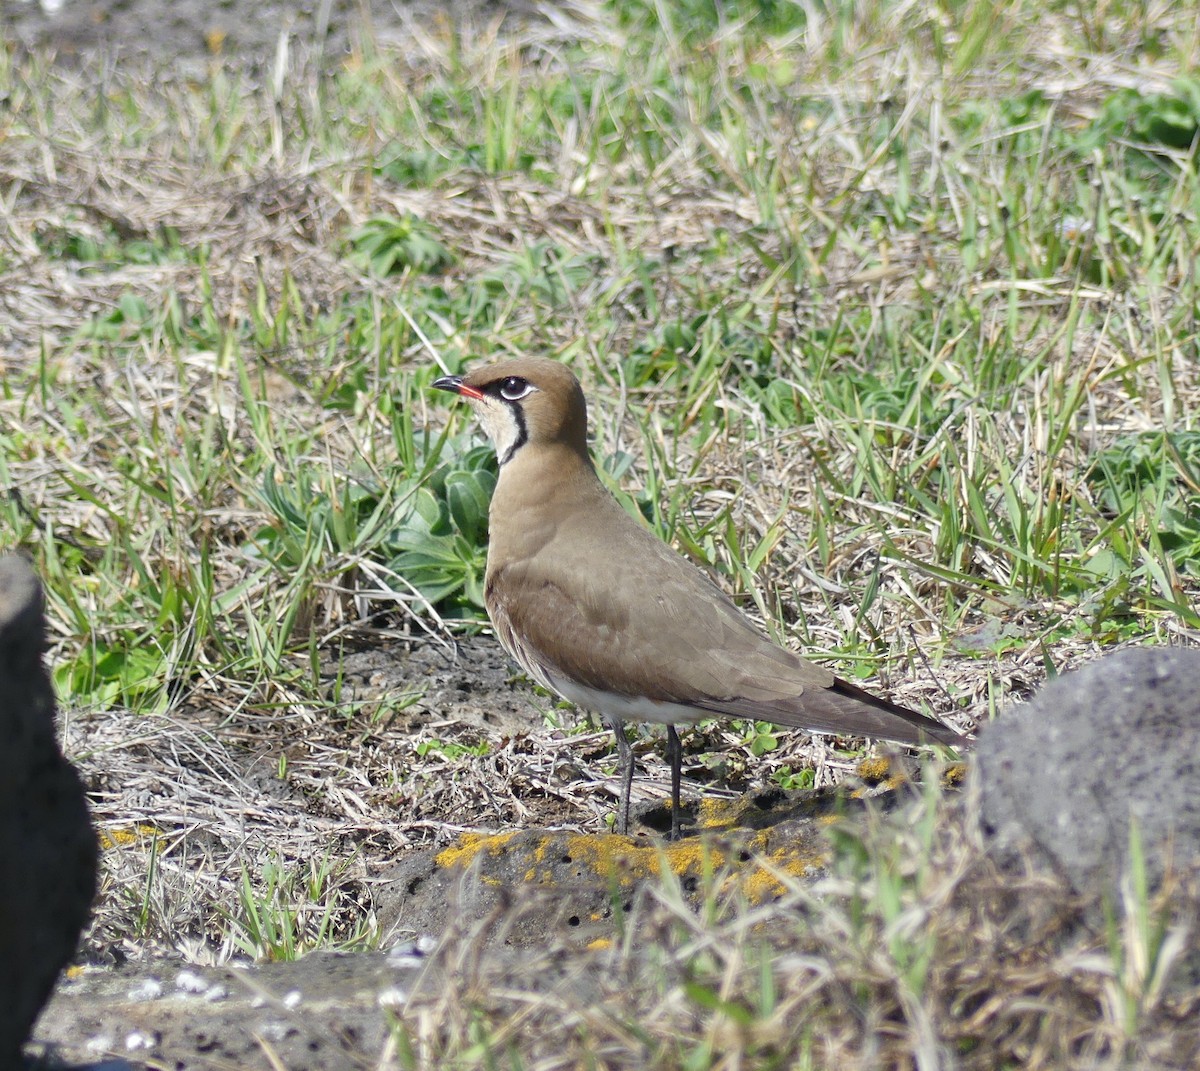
747 244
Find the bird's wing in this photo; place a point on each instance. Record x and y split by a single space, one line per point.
663 632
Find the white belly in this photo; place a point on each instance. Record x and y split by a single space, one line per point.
622 706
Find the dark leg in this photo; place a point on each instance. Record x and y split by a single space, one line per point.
625 759
675 758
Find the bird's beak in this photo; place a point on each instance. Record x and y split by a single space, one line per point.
455 385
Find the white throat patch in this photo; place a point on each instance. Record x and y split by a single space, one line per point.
504 425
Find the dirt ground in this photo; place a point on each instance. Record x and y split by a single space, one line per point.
190 802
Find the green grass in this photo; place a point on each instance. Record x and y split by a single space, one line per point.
887 315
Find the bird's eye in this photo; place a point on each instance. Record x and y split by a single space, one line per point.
514 388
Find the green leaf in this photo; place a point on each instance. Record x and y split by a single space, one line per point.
706 997
468 495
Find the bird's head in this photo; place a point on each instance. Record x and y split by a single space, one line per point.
528 402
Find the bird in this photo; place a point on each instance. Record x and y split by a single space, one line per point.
595 607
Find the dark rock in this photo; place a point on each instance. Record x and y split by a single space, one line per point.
1063 776
47 846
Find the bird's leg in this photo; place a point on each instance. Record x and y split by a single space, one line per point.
625 759
675 758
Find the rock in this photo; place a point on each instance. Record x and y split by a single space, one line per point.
570 885
47 846
326 1010
1062 776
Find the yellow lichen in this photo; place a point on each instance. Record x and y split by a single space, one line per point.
610 856
954 774
875 769
469 846
622 861
123 837
759 885
718 813
693 857
599 944
764 878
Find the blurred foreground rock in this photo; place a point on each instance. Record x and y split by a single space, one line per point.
321 1012
1063 776
47 847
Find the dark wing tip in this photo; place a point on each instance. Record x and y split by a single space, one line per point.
839 708
923 725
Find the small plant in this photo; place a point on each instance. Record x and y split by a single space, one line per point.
450 750
1144 942
285 912
125 670
762 738
388 245
102 246
429 528
787 778
1150 485
540 274
437 542
130 318
1170 120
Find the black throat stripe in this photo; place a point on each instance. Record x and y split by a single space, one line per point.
522 432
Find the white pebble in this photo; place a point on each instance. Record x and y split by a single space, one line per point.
408 953
392 997
190 982
274 1030
146 989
